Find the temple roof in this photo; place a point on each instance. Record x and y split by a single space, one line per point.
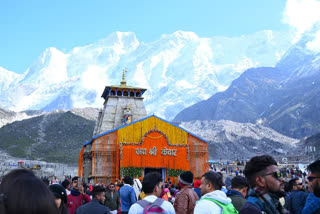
94 137
123 85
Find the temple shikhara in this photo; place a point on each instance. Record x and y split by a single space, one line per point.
128 142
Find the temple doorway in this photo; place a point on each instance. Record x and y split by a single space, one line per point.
159 170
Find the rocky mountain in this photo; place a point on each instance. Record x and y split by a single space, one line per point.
284 97
7 116
58 137
232 140
53 137
178 70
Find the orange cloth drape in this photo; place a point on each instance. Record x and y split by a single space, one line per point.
80 163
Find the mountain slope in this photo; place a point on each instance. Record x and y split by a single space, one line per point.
284 98
52 137
231 140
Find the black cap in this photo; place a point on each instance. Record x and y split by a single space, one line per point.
59 191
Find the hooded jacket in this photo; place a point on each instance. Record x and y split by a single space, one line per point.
205 206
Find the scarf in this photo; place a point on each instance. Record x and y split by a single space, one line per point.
270 202
75 192
234 193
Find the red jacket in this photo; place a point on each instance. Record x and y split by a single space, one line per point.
76 201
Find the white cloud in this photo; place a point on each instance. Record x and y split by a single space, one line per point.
315 44
301 15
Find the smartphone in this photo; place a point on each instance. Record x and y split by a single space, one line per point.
79 182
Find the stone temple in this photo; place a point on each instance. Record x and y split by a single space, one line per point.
128 142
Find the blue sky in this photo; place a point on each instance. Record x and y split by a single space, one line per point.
28 27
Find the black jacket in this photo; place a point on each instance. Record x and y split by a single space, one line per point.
112 203
93 207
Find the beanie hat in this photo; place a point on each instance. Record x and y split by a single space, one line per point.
197 184
59 192
186 178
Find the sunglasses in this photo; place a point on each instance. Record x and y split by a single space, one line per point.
310 178
277 175
298 184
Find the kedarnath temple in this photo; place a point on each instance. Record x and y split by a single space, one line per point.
128 142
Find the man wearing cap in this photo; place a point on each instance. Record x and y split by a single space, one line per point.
196 187
77 196
96 205
185 200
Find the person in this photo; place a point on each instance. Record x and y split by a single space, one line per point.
77 196
297 197
112 199
213 200
238 191
185 200
60 197
95 206
66 185
312 204
127 195
265 181
152 187
196 187
22 192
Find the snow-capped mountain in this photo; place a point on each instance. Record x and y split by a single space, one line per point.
178 70
284 98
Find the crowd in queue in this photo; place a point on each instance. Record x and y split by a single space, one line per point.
261 190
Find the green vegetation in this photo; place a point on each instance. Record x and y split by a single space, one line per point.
56 137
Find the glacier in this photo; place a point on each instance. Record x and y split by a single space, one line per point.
178 69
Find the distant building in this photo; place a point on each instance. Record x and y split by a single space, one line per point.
128 142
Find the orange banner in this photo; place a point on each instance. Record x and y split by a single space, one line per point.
155 152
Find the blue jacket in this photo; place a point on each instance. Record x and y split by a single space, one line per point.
198 191
312 205
128 197
93 207
296 201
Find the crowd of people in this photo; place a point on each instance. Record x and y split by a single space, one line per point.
262 189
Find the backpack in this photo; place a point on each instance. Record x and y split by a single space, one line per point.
226 209
150 208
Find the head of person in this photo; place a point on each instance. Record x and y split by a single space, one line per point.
296 184
262 172
210 181
112 187
60 194
128 180
240 184
65 184
98 193
185 179
20 188
314 177
197 184
74 182
152 184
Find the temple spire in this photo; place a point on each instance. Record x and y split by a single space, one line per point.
123 82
